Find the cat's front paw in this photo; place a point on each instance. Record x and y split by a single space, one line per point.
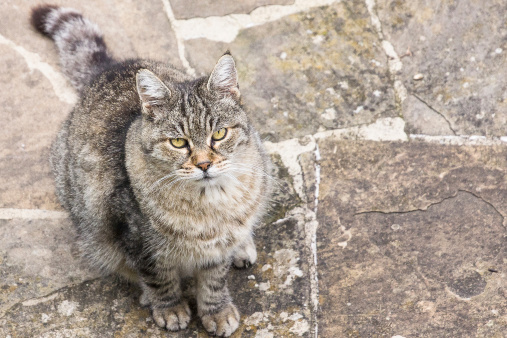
222 323
173 318
245 255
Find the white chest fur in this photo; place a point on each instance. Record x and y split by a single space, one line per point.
204 224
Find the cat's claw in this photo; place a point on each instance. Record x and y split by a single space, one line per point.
174 318
223 323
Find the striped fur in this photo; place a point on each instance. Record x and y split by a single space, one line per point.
144 208
83 52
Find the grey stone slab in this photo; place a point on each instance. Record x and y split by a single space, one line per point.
131 28
460 49
31 115
37 257
423 119
147 28
203 8
412 240
316 70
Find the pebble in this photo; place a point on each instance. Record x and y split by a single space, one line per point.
318 39
418 76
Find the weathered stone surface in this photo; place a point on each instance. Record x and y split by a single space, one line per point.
31 115
131 28
317 70
37 257
203 8
410 240
147 29
421 119
460 48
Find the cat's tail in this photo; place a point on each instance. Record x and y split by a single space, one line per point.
83 52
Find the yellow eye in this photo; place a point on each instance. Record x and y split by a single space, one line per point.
219 135
178 142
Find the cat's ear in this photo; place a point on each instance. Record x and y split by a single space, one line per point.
152 91
224 78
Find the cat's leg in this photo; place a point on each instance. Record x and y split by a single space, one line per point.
246 254
218 314
164 297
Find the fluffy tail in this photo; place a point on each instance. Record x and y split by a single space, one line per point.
83 52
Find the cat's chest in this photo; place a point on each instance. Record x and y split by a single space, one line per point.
206 230
213 208
206 214
208 203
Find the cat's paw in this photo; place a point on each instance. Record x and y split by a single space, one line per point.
223 323
245 255
173 318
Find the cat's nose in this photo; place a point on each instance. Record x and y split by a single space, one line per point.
204 165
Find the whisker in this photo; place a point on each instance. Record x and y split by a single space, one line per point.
262 173
162 179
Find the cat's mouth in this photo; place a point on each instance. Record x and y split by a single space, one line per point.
209 179
206 177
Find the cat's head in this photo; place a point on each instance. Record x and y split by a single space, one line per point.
196 130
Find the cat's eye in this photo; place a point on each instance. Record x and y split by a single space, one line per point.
178 142
219 135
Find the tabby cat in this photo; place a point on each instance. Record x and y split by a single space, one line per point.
162 174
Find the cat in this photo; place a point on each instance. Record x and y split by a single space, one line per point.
162 174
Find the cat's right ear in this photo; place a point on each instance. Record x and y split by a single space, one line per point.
152 91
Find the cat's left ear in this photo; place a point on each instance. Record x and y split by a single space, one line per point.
224 78
152 91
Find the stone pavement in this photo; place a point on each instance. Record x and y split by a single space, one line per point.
385 120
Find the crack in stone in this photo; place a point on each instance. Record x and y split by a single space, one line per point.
488 203
436 111
433 204
407 211
50 296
